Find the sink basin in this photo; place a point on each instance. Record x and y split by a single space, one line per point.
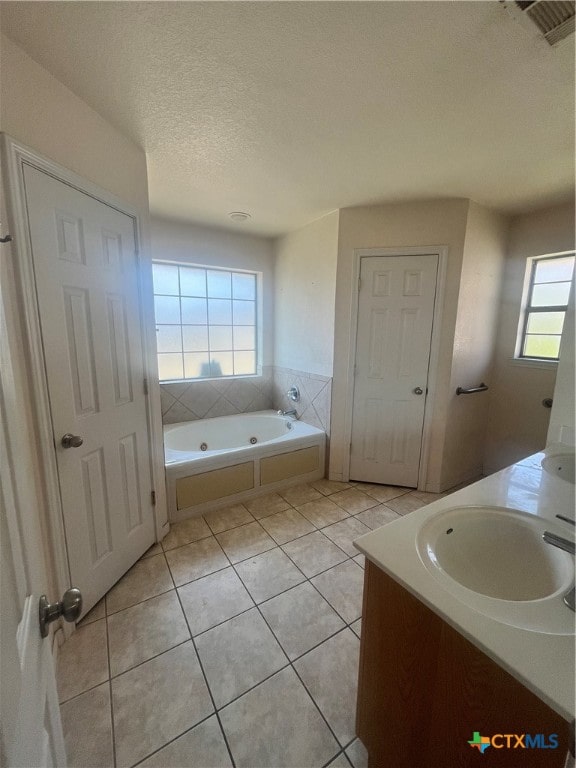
560 466
494 560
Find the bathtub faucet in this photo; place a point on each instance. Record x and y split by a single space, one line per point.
291 412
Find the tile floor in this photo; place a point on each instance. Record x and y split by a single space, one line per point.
233 643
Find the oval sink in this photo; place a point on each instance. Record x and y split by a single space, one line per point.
560 466
496 561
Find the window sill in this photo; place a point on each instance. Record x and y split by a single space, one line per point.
211 380
525 363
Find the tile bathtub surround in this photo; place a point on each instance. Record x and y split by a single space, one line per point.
315 395
227 648
193 400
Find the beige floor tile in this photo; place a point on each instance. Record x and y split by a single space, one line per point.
87 726
268 574
357 754
382 493
377 516
290 731
147 578
286 526
353 500
237 655
356 627
343 586
360 560
196 560
214 599
344 533
426 497
83 660
314 553
202 747
322 512
262 506
98 612
185 532
405 504
245 541
330 673
340 762
327 487
464 484
142 631
158 701
155 549
230 517
300 618
300 494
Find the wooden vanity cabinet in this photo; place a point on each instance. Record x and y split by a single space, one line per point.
424 690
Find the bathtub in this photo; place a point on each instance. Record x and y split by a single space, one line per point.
216 462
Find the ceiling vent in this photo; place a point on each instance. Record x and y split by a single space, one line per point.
554 18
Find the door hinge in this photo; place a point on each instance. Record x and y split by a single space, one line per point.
145 385
350 448
153 498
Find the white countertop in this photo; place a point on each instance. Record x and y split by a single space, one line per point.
544 663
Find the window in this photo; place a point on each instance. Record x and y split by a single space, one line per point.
547 299
205 322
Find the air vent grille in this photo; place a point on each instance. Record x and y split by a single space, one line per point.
554 18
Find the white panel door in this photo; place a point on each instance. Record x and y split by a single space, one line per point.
86 272
395 313
30 728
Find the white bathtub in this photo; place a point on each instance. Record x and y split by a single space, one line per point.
215 462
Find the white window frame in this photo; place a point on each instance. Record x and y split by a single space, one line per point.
258 315
527 308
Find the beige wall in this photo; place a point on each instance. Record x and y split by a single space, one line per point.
305 285
429 223
474 344
195 244
518 422
40 112
37 110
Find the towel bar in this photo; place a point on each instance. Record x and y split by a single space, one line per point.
463 391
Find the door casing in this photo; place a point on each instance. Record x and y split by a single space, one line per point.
442 252
14 157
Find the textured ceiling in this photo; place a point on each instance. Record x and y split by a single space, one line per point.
291 109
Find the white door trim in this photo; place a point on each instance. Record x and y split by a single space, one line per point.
15 155
442 252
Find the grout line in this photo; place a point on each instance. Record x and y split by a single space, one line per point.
292 661
132 605
207 686
205 679
87 690
150 658
233 565
171 741
113 729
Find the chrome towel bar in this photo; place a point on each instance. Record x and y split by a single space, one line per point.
463 391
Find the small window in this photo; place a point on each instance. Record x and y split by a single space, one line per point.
546 304
206 321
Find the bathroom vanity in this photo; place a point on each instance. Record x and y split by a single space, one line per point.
465 635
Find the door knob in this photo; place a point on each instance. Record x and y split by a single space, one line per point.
69 608
71 441
418 391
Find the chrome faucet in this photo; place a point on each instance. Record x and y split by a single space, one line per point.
560 542
567 546
292 412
